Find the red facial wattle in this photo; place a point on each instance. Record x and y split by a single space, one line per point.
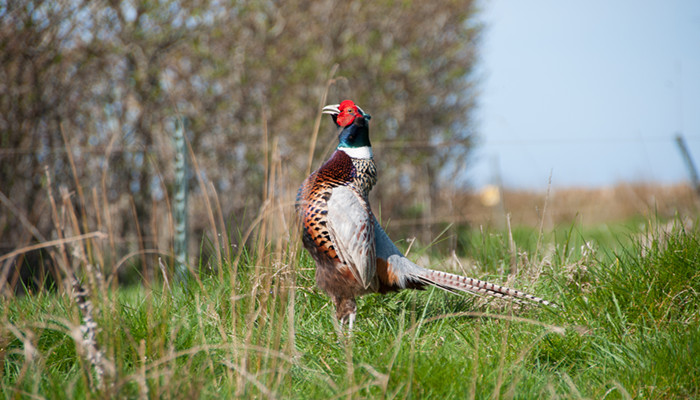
348 113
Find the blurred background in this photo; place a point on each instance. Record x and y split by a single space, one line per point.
475 106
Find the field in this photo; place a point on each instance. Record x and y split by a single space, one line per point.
257 327
140 137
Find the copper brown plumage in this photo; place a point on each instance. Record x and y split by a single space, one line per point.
353 254
312 202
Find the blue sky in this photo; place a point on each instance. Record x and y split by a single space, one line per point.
593 91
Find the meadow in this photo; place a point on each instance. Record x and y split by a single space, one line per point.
94 195
255 325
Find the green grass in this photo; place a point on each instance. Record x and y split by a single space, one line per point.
629 328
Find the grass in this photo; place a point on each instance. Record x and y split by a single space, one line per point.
258 327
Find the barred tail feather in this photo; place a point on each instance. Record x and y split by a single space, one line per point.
474 290
460 283
405 271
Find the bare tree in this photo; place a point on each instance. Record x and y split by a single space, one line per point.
101 82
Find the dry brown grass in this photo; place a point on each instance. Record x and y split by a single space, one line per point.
587 206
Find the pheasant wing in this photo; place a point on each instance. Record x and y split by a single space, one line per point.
351 227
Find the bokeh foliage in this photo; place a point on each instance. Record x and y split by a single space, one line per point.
104 79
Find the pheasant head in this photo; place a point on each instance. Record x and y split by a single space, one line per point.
354 124
344 114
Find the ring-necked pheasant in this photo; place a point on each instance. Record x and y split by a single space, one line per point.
353 254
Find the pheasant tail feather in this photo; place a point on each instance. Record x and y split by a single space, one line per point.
406 271
452 282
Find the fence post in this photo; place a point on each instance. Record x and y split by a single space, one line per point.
180 203
683 147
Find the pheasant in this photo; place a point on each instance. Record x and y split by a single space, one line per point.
353 254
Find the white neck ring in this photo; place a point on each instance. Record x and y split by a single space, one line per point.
364 152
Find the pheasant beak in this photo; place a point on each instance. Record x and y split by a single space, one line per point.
331 109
